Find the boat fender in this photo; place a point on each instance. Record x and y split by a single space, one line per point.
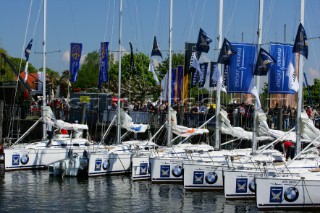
106 164
177 171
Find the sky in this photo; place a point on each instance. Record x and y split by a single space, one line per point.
92 21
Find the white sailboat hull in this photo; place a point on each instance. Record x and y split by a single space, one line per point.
166 169
140 167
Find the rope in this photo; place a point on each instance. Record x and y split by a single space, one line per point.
192 20
155 28
105 29
114 6
231 17
204 5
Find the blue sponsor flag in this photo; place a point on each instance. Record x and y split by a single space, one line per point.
28 50
195 78
203 74
278 80
301 44
241 67
174 79
203 42
180 79
103 74
225 53
75 55
264 63
213 74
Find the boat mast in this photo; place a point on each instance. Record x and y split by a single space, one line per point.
255 115
217 141
300 97
119 75
169 77
44 101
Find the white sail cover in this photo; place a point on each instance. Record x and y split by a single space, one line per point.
184 131
126 122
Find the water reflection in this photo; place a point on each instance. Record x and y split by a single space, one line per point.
35 191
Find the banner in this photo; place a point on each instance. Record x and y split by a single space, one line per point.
240 71
174 84
103 74
75 55
164 87
194 78
278 79
203 74
180 82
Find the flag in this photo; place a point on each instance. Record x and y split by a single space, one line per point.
203 74
75 55
195 78
264 63
28 50
174 84
26 54
155 48
241 67
40 81
203 42
131 60
253 90
278 80
301 44
151 69
164 87
225 53
293 83
103 74
180 82
194 62
216 77
189 48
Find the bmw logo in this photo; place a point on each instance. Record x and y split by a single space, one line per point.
252 186
211 177
106 164
291 194
24 159
177 171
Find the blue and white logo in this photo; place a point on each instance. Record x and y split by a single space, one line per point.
276 194
291 194
252 186
15 160
177 171
211 177
143 168
98 165
198 177
24 159
241 185
105 165
165 171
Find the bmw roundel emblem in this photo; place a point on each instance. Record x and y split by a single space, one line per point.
211 177
177 171
291 194
106 164
252 186
24 159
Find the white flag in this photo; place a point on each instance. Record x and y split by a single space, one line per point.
194 62
293 80
26 72
151 69
164 87
253 90
217 77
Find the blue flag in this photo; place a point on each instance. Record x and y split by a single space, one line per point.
103 74
214 76
240 69
28 50
131 60
75 55
264 63
203 42
278 79
301 44
180 84
203 74
225 53
155 48
195 78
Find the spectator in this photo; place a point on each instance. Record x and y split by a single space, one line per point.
195 109
211 110
309 111
286 113
275 116
288 148
242 111
203 108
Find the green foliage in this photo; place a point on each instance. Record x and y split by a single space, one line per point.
177 59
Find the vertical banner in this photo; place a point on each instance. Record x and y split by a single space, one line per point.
174 84
164 87
180 82
278 80
103 74
75 55
40 81
213 80
194 78
241 68
189 48
203 74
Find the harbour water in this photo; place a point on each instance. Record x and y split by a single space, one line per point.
35 191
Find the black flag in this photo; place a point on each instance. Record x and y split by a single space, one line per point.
203 42
301 44
131 60
155 48
264 63
225 52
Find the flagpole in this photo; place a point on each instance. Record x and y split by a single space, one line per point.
217 132
169 77
119 75
255 113
300 91
44 127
